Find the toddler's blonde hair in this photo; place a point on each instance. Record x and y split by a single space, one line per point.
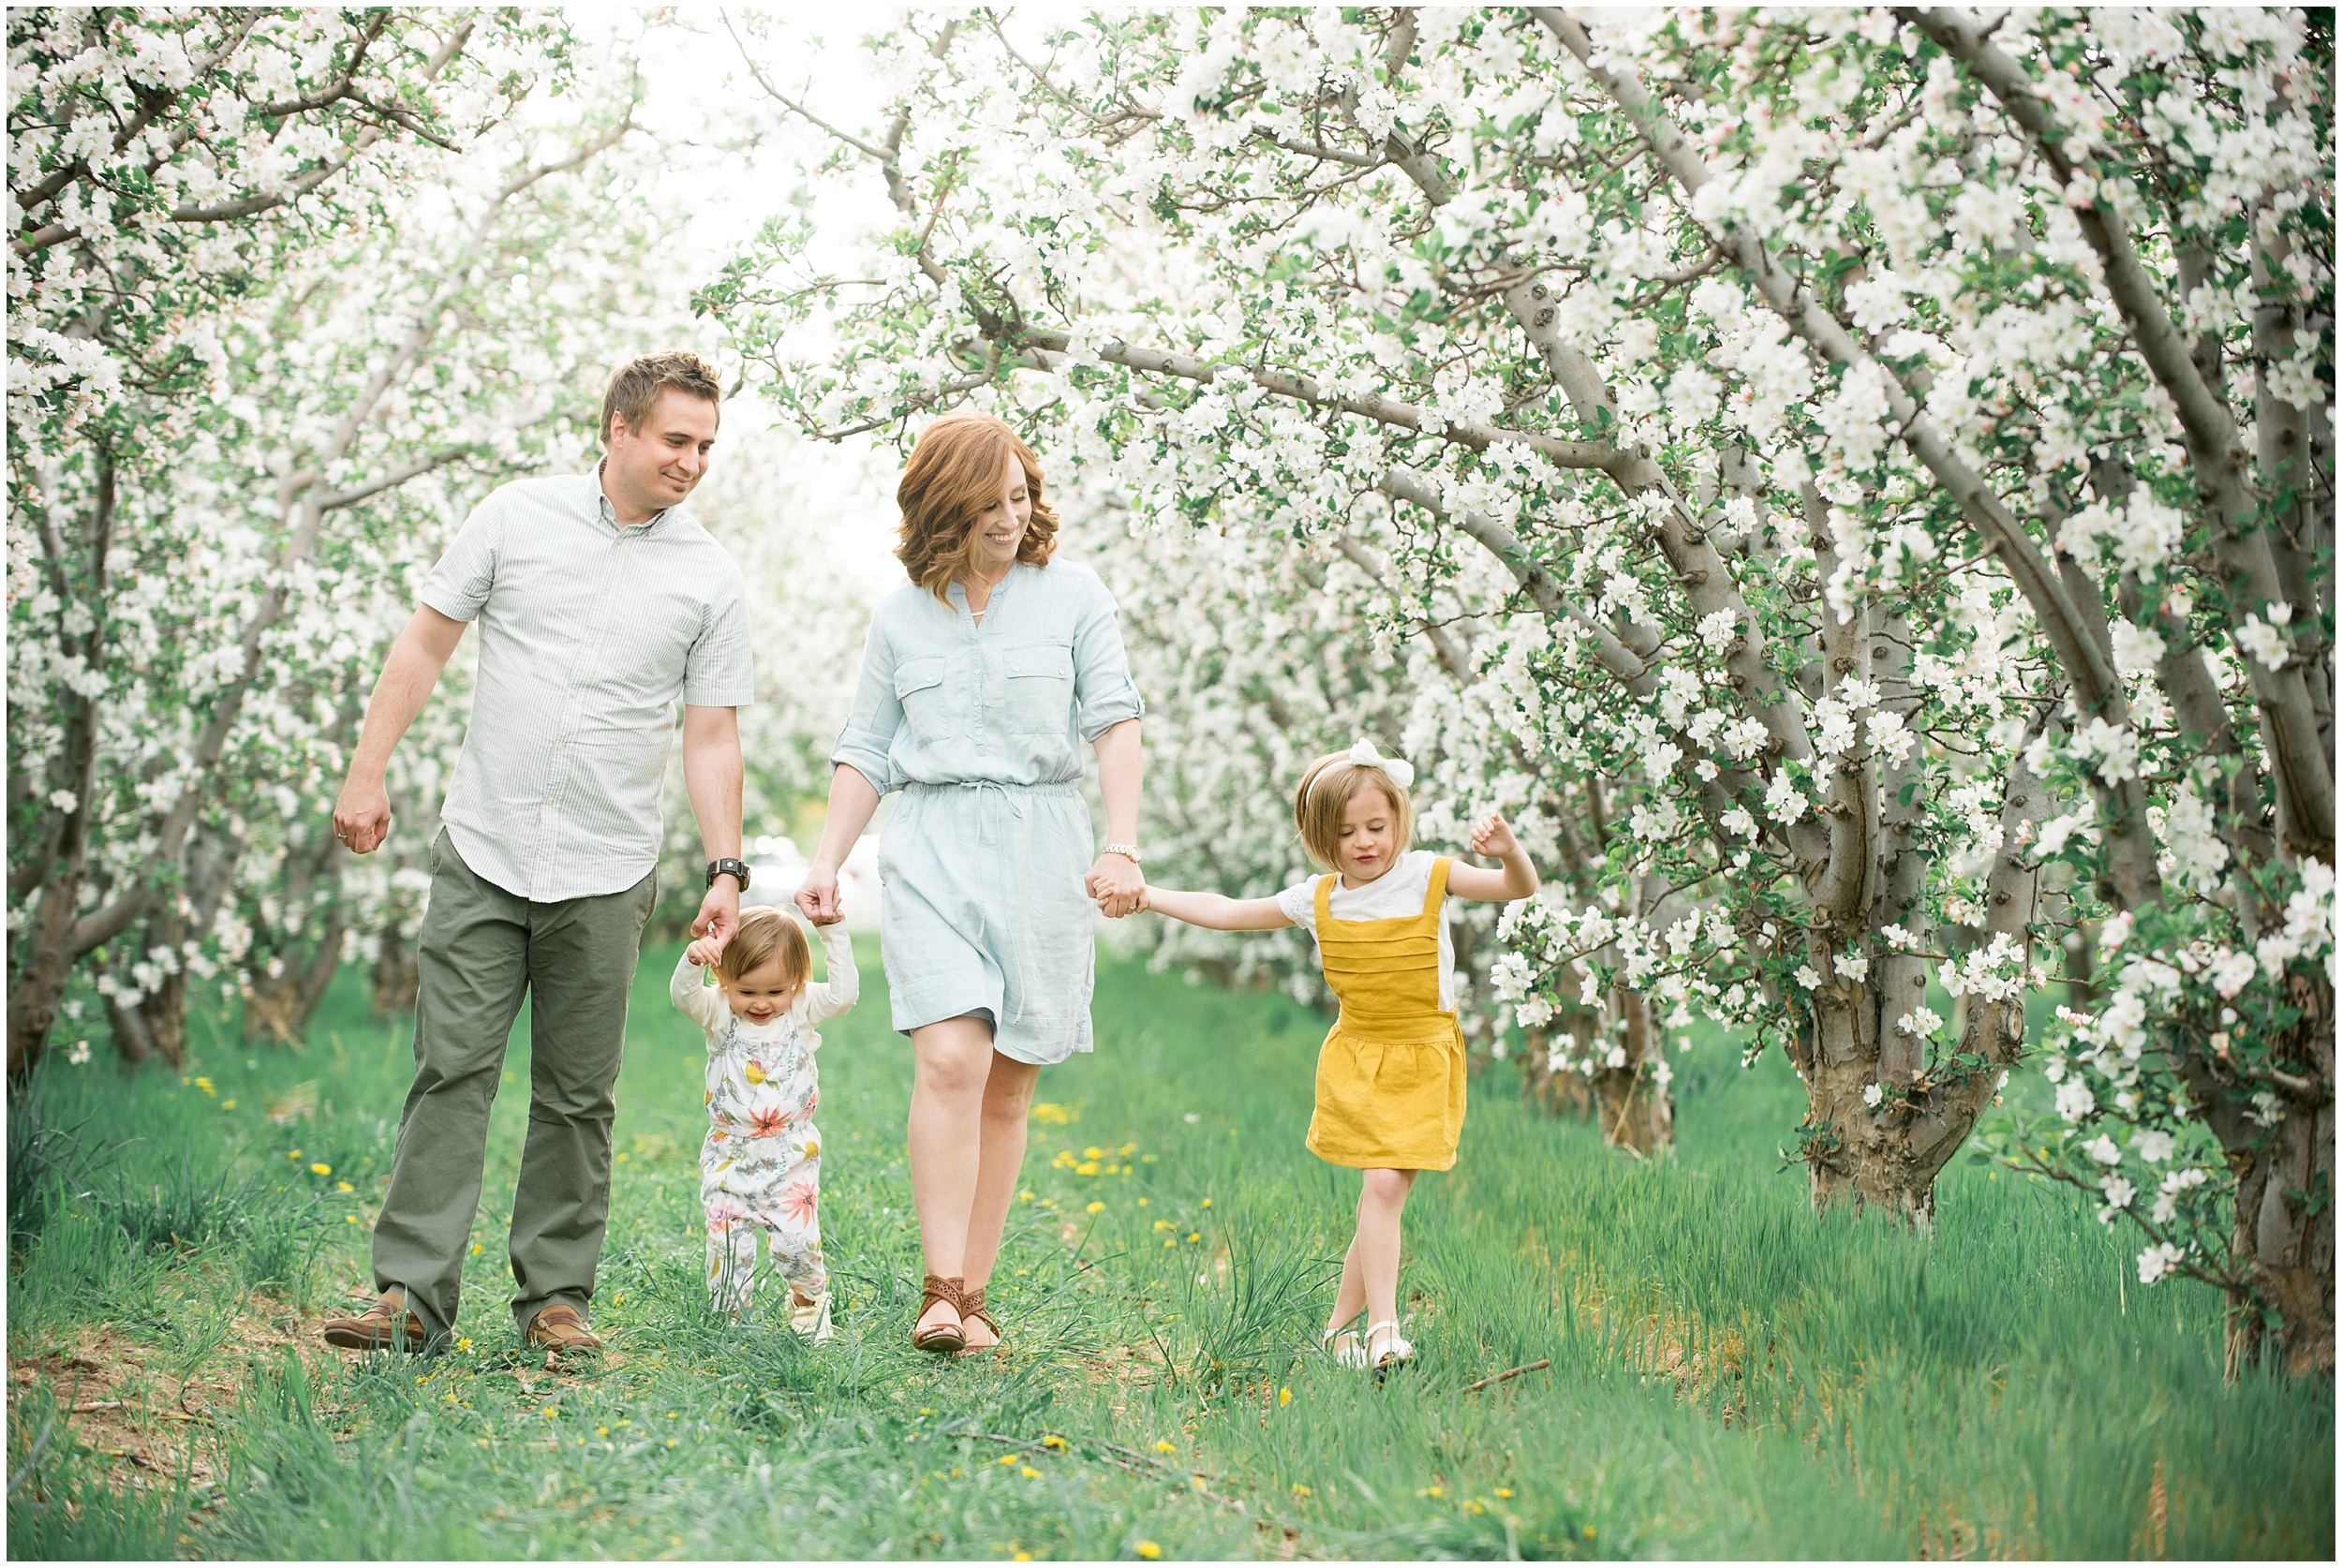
1326 790
764 932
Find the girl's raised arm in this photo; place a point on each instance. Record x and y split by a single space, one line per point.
1493 836
1216 911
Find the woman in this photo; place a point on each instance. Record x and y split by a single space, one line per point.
979 679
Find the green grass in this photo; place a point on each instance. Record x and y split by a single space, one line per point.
1730 1376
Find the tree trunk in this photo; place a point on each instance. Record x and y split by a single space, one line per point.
1632 1105
1855 1152
132 1042
397 979
2284 1234
280 1007
37 986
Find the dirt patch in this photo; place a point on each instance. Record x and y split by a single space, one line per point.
125 1402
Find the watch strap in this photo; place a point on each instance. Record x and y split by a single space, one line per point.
736 869
1128 851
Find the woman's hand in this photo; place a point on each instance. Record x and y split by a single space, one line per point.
1118 885
1493 836
819 898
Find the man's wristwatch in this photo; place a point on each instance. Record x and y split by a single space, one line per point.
1128 851
738 868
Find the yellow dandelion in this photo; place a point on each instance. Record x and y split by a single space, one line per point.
1094 1152
321 1169
1163 1447
1207 1203
227 1104
463 1344
1504 1492
1031 1474
1299 1491
1095 1207
475 1249
1010 1458
1148 1550
345 1187
1285 1397
1053 1441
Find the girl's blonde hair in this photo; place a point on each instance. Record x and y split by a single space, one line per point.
953 474
765 932
1331 783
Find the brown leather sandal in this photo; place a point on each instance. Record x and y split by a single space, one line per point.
972 1305
939 1336
562 1327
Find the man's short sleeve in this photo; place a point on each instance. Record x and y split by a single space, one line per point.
458 584
720 672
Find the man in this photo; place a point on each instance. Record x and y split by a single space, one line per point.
599 602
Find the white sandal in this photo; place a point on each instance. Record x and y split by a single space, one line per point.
1395 1349
1352 1354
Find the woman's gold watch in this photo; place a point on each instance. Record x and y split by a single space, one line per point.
1128 851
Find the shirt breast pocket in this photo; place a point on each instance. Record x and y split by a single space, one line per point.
919 688
1039 693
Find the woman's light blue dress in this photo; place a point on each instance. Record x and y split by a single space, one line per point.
980 863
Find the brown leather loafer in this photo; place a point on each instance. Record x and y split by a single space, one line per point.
378 1327
562 1327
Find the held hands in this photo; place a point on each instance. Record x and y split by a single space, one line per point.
719 916
702 953
1118 885
819 898
1492 836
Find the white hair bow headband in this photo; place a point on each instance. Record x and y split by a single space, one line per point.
1397 769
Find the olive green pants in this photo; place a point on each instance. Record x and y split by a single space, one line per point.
483 950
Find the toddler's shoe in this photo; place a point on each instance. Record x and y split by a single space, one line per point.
811 1319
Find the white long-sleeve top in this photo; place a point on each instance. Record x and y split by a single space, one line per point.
705 1004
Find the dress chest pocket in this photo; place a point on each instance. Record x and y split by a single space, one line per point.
919 688
1038 689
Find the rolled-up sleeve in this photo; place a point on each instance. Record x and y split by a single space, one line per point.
459 584
720 672
1103 689
867 741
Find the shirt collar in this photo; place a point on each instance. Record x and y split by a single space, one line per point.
609 513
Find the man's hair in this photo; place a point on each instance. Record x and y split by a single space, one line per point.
634 385
1332 782
763 933
953 474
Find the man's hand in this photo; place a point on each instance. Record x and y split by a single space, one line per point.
1117 883
361 817
719 915
819 898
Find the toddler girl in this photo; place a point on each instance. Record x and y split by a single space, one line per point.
1391 1077
760 1167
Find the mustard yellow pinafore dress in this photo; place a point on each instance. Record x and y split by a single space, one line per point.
1391 1077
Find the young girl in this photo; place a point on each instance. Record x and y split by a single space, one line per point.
760 1167
1391 1077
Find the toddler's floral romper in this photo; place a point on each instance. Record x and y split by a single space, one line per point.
761 1164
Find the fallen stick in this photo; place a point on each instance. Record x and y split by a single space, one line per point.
1513 1372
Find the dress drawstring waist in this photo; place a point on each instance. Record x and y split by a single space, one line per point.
1013 795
